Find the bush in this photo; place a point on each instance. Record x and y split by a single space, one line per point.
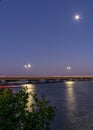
14 113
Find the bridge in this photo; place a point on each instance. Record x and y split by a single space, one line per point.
41 79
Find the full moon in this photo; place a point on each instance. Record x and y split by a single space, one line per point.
77 17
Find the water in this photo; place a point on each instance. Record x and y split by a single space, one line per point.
73 101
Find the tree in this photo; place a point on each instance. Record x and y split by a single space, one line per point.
14 114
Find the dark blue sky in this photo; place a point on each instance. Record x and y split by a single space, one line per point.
45 34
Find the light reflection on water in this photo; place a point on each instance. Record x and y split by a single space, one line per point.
30 89
70 97
69 83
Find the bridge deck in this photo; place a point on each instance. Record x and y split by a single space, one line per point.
43 77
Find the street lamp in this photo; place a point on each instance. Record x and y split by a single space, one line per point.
27 66
68 68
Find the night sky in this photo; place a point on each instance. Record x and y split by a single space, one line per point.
45 34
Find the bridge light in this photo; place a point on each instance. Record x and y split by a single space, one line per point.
28 66
68 68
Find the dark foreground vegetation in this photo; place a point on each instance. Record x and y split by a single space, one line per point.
14 113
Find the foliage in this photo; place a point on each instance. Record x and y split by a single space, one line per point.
14 114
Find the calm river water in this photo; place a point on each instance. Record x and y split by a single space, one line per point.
73 101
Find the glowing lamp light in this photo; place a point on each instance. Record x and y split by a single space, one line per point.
27 66
68 68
